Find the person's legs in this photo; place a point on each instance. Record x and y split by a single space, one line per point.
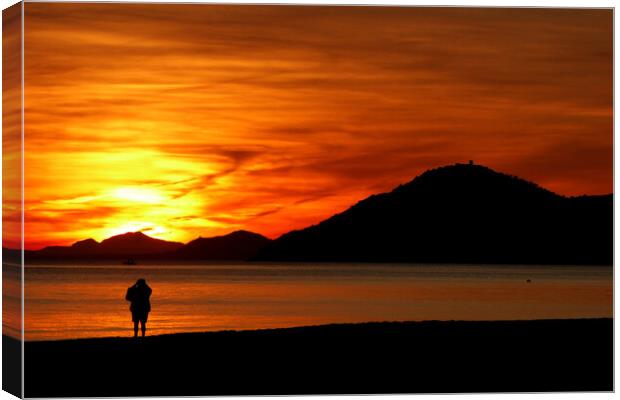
143 326
135 328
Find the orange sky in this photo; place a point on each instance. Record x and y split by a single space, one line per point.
188 120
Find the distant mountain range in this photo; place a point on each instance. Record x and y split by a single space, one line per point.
462 213
127 244
239 245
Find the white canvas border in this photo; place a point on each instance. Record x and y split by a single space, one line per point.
450 3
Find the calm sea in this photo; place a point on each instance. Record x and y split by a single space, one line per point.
74 301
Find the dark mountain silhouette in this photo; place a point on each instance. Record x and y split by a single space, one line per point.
86 245
135 243
463 213
83 247
238 245
130 244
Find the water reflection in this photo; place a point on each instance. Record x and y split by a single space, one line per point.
88 301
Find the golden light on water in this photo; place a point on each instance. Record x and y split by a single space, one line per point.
194 298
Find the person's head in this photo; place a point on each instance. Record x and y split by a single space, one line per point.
140 282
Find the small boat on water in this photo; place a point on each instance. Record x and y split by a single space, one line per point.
130 261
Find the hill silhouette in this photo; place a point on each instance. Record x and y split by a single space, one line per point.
238 245
128 244
137 243
463 213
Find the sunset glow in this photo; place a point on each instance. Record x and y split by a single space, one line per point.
196 120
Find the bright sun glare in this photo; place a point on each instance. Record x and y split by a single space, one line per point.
138 195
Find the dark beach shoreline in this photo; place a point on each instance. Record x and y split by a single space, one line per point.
389 357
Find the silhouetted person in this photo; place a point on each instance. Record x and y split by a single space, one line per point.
139 295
